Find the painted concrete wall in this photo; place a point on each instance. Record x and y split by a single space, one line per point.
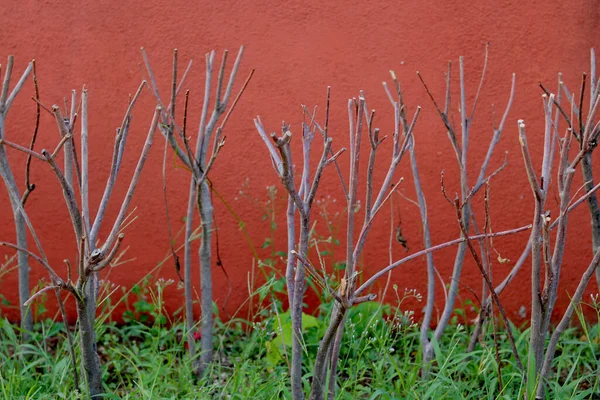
297 49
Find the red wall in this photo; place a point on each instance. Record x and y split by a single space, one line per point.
297 51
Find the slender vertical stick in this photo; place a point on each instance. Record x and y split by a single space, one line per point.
85 206
462 247
11 185
564 323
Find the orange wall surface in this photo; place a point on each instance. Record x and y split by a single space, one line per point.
297 50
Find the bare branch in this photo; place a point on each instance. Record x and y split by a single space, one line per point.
119 147
53 275
29 152
320 279
85 205
528 163
39 293
68 194
116 227
6 82
485 61
29 187
109 258
418 254
17 87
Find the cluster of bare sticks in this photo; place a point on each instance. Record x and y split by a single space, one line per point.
93 255
474 237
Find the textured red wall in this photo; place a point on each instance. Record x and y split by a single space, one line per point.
297 51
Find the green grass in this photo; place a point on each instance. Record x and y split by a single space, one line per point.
380 359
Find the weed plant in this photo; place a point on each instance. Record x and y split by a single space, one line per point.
145 357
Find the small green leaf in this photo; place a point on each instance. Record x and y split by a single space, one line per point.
308 321
273 354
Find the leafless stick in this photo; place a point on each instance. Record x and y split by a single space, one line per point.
527 158
25 150
444 115
299 199
317 276
593 83
233 75
535 350
319 373
564 322
63 312
220 77
81 266
59 146
580 200
465 122
68 154
355 117
115 164
422 207
237 98
355 141
186 142
29 187
390 260
497 133
580 108
166 121
150 74
362 236
395 161
324 133
53 275
459 211
8 101
70 122
6 82
291 243
164 164
277 162
560 109
464 190
111 255
15 201
200 163
68 195
205 104
485 61
187 271
85 206
73 110
115 229
374 139
317 178
218 142
42 105
183 78
219 107
546 161
369 282
173 88
39 293
165 198
69 273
